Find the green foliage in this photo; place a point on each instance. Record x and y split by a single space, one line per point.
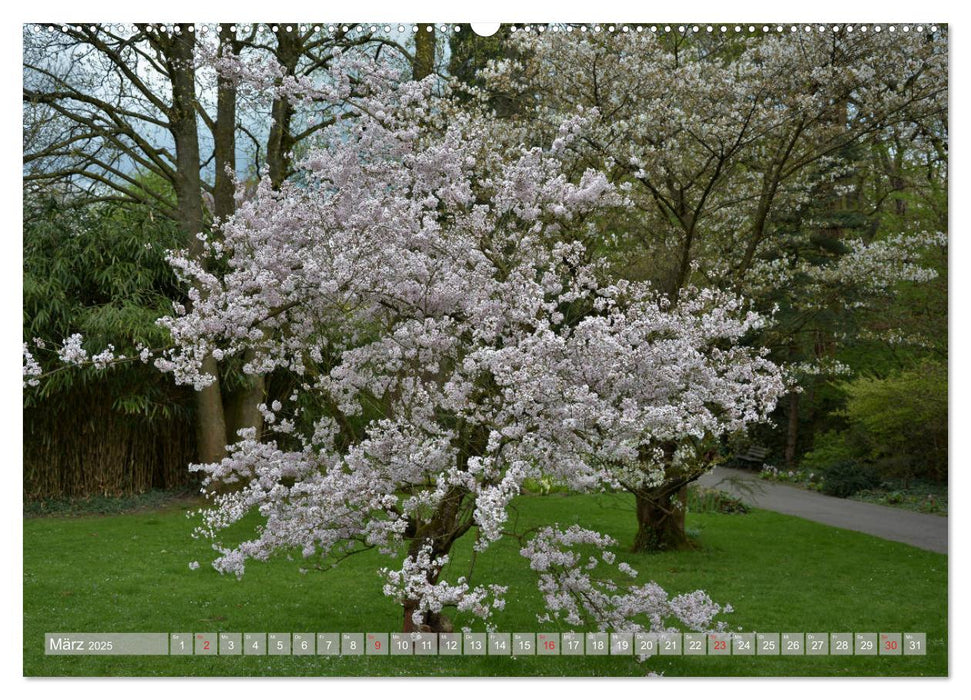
705 500
833 447
844 479
100 271
902 419
922 497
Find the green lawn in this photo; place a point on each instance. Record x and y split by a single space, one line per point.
129 573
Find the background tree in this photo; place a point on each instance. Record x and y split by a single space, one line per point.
742 155
138 117
127 105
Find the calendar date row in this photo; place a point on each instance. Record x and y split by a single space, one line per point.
516 644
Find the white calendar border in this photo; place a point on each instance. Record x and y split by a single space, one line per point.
491 10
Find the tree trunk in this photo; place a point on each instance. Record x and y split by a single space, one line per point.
807 415
280 142
179 49
210 418
431 622
241 406
224 134
792 433
661 519
449 522
423 64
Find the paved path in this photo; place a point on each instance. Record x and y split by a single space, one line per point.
918 529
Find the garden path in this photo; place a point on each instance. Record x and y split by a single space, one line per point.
918 529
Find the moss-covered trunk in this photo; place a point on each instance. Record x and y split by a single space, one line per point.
661 519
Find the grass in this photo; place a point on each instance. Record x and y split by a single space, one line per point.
129 573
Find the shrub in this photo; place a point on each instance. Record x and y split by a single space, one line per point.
843 479
833 447
101 271
903 420
704 500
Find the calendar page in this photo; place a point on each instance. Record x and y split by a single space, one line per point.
605 349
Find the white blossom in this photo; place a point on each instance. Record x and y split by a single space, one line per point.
418 282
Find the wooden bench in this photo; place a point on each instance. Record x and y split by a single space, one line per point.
754 454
